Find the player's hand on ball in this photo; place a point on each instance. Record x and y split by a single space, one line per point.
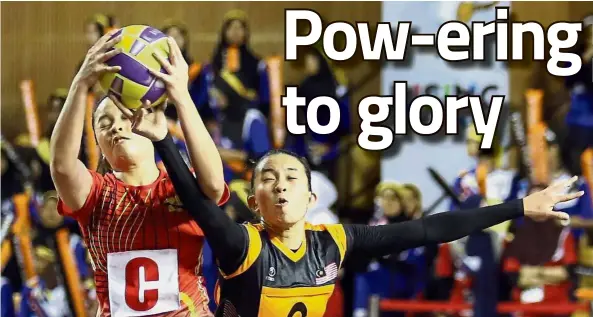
177 77
147 121
540 205
94 62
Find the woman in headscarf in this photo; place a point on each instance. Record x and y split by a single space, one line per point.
233 54
322 80
243 133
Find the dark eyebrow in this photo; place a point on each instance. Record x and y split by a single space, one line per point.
292 169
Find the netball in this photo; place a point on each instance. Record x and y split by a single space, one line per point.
134 83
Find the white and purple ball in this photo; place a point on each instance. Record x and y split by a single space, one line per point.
134 84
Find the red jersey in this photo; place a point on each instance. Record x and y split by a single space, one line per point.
145 248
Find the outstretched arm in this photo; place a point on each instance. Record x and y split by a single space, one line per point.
439 228
449 226
228 239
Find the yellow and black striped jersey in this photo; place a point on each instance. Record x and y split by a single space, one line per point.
276 281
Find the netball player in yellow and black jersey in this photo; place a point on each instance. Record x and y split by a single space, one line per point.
286 267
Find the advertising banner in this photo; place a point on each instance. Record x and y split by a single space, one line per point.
426 73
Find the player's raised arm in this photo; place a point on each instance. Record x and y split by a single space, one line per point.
201 148
450 226
70 176
228 239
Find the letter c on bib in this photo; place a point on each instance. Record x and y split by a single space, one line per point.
139 271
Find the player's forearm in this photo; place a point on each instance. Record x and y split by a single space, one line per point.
201 149
229 155
439 228
227 239
66 137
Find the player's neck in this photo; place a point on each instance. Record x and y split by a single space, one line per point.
139 175
293 236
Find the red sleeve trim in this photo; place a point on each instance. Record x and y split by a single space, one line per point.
225 195
81 215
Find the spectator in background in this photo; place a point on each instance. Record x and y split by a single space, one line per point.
6 298
550 282
396 276
580 209
412 201
322 150
97 26
244 134
55 102
327 195
178 31
485 177
579 118
233 55
45 295
14 175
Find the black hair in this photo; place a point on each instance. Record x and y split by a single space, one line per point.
249 61
285 152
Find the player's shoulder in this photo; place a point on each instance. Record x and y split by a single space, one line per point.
336 231
321 227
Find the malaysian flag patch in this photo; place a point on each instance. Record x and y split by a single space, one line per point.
327 274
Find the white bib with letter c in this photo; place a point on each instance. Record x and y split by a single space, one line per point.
143 282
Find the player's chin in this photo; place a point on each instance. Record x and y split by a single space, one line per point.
290 216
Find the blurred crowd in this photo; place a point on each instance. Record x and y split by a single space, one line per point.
232 93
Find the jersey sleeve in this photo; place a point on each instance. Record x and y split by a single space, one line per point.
254 246
442 227
339 235
82 215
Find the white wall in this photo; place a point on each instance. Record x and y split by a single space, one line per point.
447 156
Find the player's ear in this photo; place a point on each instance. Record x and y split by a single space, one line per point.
252 203
312 199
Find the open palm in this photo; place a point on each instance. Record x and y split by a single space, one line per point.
147 121
540 205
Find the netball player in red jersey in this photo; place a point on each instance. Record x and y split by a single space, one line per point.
145 248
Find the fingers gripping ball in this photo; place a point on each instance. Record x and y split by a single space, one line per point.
134 84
